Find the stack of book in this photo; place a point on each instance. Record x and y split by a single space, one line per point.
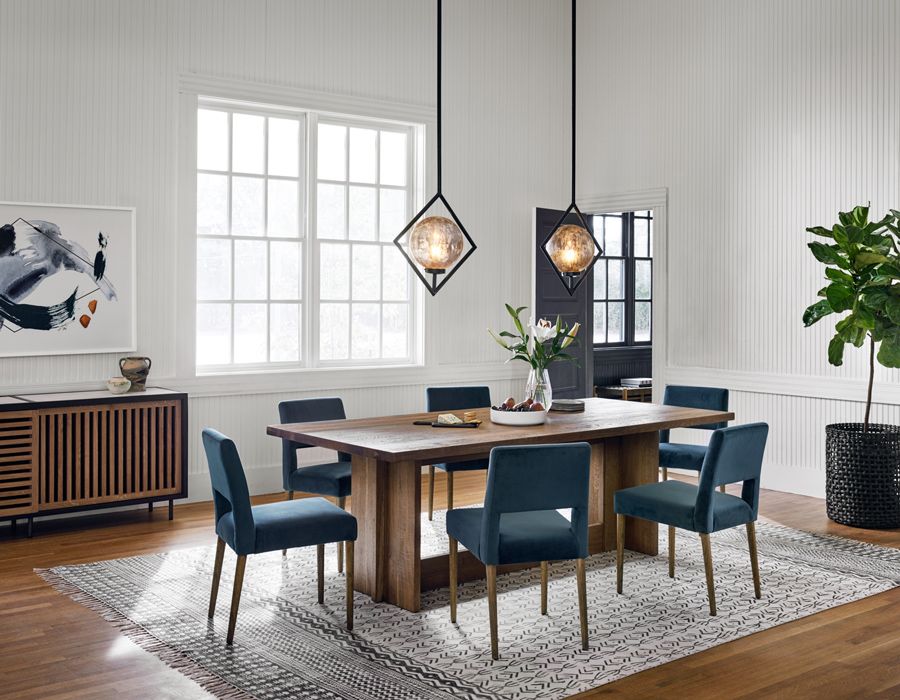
637 382
567 405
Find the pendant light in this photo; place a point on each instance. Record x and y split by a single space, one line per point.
437 243
571 247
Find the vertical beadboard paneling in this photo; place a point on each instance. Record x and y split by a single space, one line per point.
88 92
761 118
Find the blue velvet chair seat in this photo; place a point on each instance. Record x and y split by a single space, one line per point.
290 524
734 455
468 466
331 479
520 521
674 455
674 503
542 535
250 529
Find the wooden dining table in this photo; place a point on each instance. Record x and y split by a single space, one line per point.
387 458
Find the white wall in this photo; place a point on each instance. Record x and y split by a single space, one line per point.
88 115
761 118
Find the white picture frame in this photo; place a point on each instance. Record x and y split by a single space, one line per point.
45 282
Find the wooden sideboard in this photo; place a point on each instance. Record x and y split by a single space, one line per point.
77 451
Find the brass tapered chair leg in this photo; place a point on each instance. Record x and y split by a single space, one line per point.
348 546
320 571
620 550
454 546
449 490
217 574
290 497
341 502
545 574
236 596
430 491
707 563
582 601
671 552
665 472
492 607
722 488
754 559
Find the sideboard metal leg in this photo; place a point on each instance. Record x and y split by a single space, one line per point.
171 509
150 506
12 526
30 525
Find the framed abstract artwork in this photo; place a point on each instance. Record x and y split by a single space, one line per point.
67 279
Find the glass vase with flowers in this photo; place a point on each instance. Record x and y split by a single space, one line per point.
539 344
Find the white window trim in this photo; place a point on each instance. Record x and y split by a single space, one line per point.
191 87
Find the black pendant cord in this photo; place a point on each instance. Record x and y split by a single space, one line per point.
573 101
439 35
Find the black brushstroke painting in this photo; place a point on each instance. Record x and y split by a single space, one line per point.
100 257
38 318
30 253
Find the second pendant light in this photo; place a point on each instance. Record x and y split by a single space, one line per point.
571 247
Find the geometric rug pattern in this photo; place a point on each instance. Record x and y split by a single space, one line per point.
289 646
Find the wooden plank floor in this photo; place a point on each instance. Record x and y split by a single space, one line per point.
51 647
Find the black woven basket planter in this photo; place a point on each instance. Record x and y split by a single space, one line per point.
862 475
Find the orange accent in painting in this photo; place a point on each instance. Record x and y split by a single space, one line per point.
85 320
92 305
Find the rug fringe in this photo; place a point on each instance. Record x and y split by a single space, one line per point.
173 658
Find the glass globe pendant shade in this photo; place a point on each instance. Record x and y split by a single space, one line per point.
436 243
571 249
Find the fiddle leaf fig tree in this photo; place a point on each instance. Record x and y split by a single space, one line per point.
862 266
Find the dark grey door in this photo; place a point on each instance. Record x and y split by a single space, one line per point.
570 380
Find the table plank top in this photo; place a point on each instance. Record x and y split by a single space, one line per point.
395 438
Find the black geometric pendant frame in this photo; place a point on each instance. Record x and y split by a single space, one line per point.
572 281
433 285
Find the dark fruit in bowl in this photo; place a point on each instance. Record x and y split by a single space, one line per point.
537 406
509 403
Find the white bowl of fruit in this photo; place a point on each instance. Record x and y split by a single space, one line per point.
527 412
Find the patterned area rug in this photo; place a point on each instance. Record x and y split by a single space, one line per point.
288 646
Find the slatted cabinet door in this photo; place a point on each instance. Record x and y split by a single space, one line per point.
18 463
106 453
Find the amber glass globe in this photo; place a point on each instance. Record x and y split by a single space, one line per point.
571 249
436 243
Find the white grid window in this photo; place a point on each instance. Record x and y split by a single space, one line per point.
363 200
268 295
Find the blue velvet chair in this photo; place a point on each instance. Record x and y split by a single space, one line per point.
255 529
454 398
734 454
520 523
329 479
674 455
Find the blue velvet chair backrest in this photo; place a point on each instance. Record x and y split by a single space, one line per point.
306 411
734 454
454 398
229 485
536 477
706 397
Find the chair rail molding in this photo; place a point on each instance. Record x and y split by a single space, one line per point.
807 386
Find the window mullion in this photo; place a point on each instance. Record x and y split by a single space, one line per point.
312 258
230 217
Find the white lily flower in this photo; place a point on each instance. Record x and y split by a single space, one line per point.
543 330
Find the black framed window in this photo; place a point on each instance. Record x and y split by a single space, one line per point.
623 279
